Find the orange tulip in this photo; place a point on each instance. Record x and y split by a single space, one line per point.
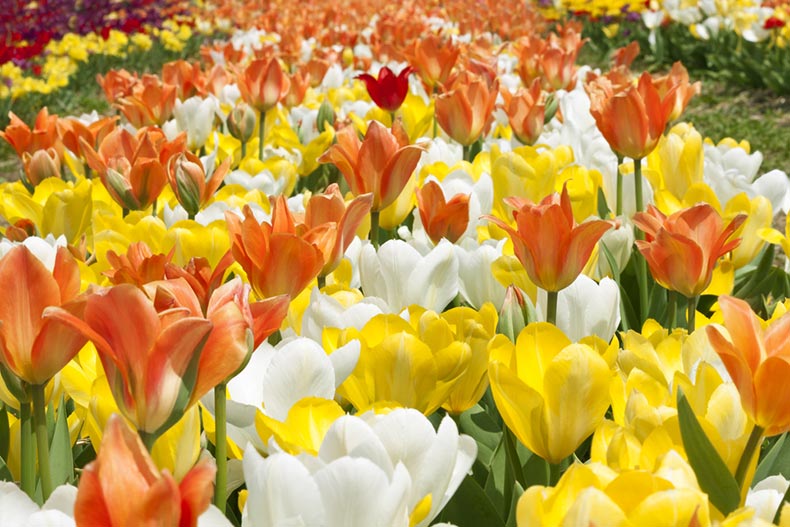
676 91
434 57
138 266
150 103
548 242
526 112
117 84
381 164
315 71
238 326
466 111
277 260
123 486
201 277
440 218
682 249
33 346
263 84
631 118
150 358
23 139
70 131
187 78
190 183
758 360
296 92
132 167
331 224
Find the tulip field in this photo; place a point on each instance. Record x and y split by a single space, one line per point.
427 263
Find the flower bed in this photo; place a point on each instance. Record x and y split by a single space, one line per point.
384 265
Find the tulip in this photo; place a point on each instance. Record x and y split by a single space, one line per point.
150 103
682 249
132 167
756 358
525 112
23 139
552 394
632 118
41 165
241 122
440 218
434 57
549 243
297 90
675 90
35 346
195 116
138 266
388 91
194 183
70 130
276 261
262 85
332 224
124 487
465 112
381 164
415 365
187 77
19 510
117 84
150 358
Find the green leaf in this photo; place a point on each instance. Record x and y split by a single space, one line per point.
5 433
61 461
517 492
470 506
5 472
476 423
776 461
712 474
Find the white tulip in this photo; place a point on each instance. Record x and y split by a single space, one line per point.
477 284
195 116
766 497
327 312
401 276
586 308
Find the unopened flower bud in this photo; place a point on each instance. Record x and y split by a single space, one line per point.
517 311
241 122
41 165
552 105
188 178
326 116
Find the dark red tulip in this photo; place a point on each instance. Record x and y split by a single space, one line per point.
389 90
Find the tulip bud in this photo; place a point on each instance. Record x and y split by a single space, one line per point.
117 184
187 175
517 311
618 242
41 165
241 122
326 116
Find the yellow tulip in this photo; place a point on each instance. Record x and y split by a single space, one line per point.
551 393
759 217
596 495
305 427
400 365
677 162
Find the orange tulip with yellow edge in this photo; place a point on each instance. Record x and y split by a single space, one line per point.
682 249
150 103
465 111
124 487
526 112
381 164
263 84
35 346
276 259
434 58
548 242
757 357
442 218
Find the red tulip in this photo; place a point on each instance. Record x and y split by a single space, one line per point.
389 90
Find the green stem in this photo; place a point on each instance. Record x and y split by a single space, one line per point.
153 209
435 122
512 457
221 445
374 228
261 135
28 450
641 267
672 309
618 207
148 439
785 498
691 314
752 445
42 438
392 119
321 281
467 150
554 473
243 149
551 307
124 212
